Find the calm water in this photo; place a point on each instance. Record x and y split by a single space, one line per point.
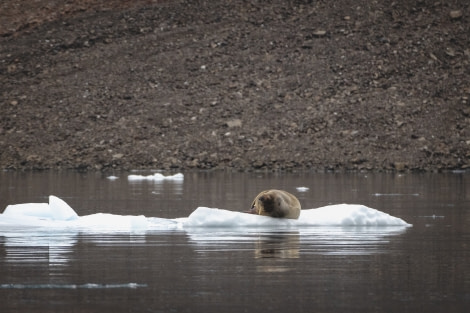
424 268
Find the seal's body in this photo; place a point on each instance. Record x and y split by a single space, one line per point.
276 203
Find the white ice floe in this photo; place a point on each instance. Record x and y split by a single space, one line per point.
111 222
302 189
157 177
348 215
56 210
331 215
58 214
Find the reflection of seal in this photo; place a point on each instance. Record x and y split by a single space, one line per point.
276 203
278 245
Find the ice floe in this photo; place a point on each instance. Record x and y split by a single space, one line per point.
58 214
56 210
157 177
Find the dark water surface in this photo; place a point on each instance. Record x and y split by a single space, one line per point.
423 268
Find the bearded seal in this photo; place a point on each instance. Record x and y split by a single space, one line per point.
276 203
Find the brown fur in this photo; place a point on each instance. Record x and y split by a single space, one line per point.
276 203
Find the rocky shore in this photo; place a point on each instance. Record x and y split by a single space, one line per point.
243 85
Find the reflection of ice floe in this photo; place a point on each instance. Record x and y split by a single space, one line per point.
72 286
288 243
38 247
157 177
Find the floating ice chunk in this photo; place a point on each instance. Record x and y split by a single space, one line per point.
40 210
105 221
60 210
302 189
56 210
58 214
112 177
332 215
208 217
156 177
348 215
158 223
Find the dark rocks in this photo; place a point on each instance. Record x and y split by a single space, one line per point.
215 85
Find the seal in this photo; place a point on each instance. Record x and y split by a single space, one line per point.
276 203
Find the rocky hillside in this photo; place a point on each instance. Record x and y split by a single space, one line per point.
247 85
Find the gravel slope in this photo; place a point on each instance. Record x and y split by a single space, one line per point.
246 85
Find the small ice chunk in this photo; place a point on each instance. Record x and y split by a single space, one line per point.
60 210
302 189
56 210
156 177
